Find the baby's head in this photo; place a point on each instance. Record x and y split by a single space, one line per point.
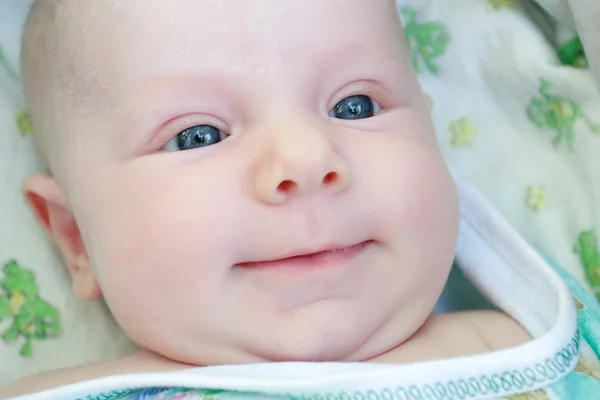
197 146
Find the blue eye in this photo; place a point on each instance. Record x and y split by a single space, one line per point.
354 107
195 137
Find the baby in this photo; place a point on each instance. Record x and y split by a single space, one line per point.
245 182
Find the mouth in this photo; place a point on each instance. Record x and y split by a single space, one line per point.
329 257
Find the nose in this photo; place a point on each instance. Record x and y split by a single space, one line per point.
296 162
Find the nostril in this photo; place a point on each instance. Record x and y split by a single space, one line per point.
287 186
331 178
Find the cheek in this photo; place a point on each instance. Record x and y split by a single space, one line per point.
420 229
429 207
164 235
415 202
422 212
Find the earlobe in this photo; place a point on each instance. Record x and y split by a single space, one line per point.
85 283
52 211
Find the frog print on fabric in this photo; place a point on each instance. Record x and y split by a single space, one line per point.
558 114
573 53
24 123
588 362
427 41
500 4
578 304
589 254
32 317
462 132
536 197
5 65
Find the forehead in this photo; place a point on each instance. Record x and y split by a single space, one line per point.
137 38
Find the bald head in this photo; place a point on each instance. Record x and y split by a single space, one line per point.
54 79
43 63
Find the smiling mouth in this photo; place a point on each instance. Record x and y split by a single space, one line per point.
330 257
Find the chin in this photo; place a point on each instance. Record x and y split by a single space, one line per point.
338 339
311 354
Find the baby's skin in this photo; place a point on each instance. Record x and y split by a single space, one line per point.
246 181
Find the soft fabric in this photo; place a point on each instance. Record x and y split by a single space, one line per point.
561 362
513 119
519 124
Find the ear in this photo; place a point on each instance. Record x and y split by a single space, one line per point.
49 204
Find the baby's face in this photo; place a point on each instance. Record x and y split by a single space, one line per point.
292 128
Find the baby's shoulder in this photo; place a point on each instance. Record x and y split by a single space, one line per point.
496 329
136 363
450 335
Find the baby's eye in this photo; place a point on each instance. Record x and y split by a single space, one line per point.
195 137
355 107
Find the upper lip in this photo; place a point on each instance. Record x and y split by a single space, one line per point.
306 253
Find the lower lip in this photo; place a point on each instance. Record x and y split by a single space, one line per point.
317 261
